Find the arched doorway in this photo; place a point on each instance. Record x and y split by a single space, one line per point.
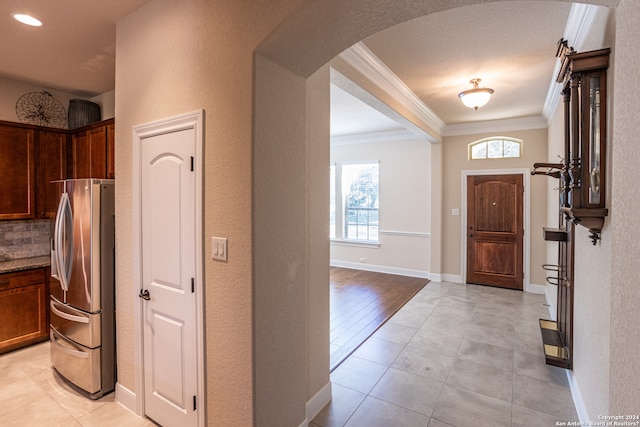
290 247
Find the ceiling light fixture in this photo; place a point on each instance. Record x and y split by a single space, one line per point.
476 97
27 19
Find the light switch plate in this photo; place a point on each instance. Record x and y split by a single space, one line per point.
219 248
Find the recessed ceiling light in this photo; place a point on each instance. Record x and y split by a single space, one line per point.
26 19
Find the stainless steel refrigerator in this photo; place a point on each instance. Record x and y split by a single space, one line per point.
83 296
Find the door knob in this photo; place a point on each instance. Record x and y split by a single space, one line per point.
470 235
144 294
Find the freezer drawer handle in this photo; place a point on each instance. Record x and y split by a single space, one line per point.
64 349
68 316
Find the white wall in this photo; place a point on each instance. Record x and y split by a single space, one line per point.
405 207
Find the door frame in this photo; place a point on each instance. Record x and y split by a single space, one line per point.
526 212
193 120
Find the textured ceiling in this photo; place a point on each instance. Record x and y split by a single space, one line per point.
74 51
510 46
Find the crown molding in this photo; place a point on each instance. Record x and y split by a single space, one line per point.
366 62
493 126
359 56
370 137
578 26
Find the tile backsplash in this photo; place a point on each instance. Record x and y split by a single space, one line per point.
24 239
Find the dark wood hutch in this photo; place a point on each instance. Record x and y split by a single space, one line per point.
581 184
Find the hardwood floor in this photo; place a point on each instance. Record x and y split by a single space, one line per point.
361 301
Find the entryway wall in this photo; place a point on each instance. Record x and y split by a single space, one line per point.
456 160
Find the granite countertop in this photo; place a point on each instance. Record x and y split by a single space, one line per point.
24 264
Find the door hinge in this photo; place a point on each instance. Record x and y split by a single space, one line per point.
193 285
192 164
194 403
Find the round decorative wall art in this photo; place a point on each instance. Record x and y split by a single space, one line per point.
41 109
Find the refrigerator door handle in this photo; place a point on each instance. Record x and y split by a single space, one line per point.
67 316
63 241
64 349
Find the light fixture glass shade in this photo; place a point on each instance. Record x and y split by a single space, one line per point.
476 97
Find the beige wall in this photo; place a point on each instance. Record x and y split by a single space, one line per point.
606 336
317 242
456 160
592 290
405 205
175 57
624 220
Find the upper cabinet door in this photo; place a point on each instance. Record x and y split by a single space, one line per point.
52 166
81 155
17 187
111 150
90 152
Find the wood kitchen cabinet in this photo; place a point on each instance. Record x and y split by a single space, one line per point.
24 318
51 165
33 156
91 149
111 136
17 186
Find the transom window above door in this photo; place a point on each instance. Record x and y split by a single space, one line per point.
495 147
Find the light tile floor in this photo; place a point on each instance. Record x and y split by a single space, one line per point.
32 395
455 355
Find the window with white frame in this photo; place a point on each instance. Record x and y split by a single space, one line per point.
354 202
496 147
332 202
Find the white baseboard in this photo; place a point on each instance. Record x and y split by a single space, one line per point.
453 278
127 398
379 268
552 309
581 408
435 277
318 401
536 289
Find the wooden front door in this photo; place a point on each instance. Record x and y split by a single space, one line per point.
495 230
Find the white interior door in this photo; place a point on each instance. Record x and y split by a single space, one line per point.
168 226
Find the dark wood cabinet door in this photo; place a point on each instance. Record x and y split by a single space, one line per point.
17 186
98 149
111 151
495 230
24 315
90 152
81 155
52 166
